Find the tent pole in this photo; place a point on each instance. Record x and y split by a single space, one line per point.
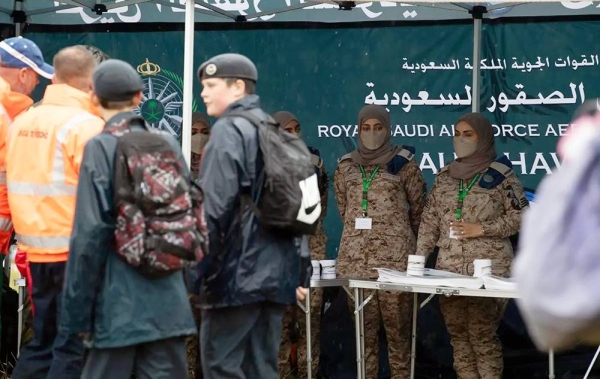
188 81
17 15
477 13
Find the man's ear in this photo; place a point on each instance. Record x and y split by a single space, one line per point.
94 99
137 99
53 80
240 87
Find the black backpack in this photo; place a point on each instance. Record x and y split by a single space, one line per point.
290 201
160 222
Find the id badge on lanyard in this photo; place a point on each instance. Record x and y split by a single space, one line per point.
365 222
462 193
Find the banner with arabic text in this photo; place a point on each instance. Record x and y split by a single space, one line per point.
51 12
530 86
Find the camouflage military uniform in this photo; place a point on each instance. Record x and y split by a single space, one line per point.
318 245
473 322
395 204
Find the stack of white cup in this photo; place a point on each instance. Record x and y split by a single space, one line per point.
324 269
416 265
482 267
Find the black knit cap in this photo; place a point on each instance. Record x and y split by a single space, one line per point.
115 80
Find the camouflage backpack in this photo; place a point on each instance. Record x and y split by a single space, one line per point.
160 226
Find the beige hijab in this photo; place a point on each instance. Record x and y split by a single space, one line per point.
284 118
201 118
467 167
387 150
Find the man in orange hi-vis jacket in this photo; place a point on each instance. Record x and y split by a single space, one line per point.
41 195
21 63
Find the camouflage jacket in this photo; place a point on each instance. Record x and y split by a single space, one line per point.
496 202
396 199
318 241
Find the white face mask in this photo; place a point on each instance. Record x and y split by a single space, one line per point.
464 147
373 140
198 142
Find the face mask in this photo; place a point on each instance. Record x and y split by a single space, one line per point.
198 142
373 140
464 147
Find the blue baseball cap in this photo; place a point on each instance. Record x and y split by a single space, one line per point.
19 52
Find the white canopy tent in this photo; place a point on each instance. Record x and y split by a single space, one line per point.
21 11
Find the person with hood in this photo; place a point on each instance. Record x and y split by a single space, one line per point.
200 137
129 322
318 246
477 226
380 192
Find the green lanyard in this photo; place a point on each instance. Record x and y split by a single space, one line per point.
462 193
366 184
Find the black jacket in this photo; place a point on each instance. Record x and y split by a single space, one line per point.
245 264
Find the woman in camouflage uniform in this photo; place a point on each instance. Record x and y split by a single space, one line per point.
380 193
200 137
318 245
487 213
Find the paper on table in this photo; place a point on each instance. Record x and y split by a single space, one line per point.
499 284
431 278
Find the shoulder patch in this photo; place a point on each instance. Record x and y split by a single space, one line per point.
314 151
411 149
344 157
400 160
316 160
407 154
315 157
499 170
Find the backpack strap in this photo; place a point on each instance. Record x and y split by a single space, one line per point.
246 197
404 156
250 117
499 170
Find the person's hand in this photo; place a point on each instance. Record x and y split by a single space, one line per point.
301 293
464 230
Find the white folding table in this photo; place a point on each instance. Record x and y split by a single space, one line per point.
318 283
359 285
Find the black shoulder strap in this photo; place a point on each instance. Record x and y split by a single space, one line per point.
246 198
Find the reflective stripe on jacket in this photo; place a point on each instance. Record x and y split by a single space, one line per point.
44 154
11 105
